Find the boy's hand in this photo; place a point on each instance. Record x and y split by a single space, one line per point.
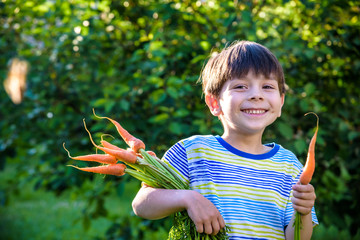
204 214
303 198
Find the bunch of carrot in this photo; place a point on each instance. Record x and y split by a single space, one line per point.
306 175
146 167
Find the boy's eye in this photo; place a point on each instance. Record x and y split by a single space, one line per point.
269 87
240 86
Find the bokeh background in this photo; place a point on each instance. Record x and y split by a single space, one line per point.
138 62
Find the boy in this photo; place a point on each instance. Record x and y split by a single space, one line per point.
235 179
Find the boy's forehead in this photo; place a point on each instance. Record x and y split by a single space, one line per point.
252 75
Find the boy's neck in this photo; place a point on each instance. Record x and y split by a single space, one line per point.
246 143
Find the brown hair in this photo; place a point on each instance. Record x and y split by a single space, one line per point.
236 61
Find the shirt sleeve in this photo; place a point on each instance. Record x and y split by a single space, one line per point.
176 158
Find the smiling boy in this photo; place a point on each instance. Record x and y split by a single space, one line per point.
235 179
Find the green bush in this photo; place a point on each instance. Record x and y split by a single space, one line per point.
138 62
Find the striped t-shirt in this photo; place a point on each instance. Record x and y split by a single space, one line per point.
252 192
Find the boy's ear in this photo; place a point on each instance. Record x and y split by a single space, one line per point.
282 103
213 103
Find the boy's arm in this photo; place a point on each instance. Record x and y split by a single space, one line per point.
153 203
306 230
303 201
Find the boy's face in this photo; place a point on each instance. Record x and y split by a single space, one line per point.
247 105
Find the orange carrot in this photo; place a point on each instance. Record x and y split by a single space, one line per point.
121 154
133 142
100 158
151 153
114 147
109 145
309 168
111 169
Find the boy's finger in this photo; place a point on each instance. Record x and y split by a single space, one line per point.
303 188
302 210
303 203
304 195
222 222
199 228
215 227
208 229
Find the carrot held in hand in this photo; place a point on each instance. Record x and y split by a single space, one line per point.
109 145
100 158
120 154
151 153
146 167
309 168
133 142
306 175
111 169
112 146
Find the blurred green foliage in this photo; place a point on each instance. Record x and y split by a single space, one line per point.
138 61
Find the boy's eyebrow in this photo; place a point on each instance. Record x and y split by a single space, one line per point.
246 78
271 79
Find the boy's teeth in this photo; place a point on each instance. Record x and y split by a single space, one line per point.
254 111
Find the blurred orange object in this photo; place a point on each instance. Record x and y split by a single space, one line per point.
15 83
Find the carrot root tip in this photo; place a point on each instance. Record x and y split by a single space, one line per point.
67 150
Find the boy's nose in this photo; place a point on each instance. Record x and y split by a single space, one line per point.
256 94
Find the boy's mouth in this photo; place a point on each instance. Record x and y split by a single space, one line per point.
254 111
